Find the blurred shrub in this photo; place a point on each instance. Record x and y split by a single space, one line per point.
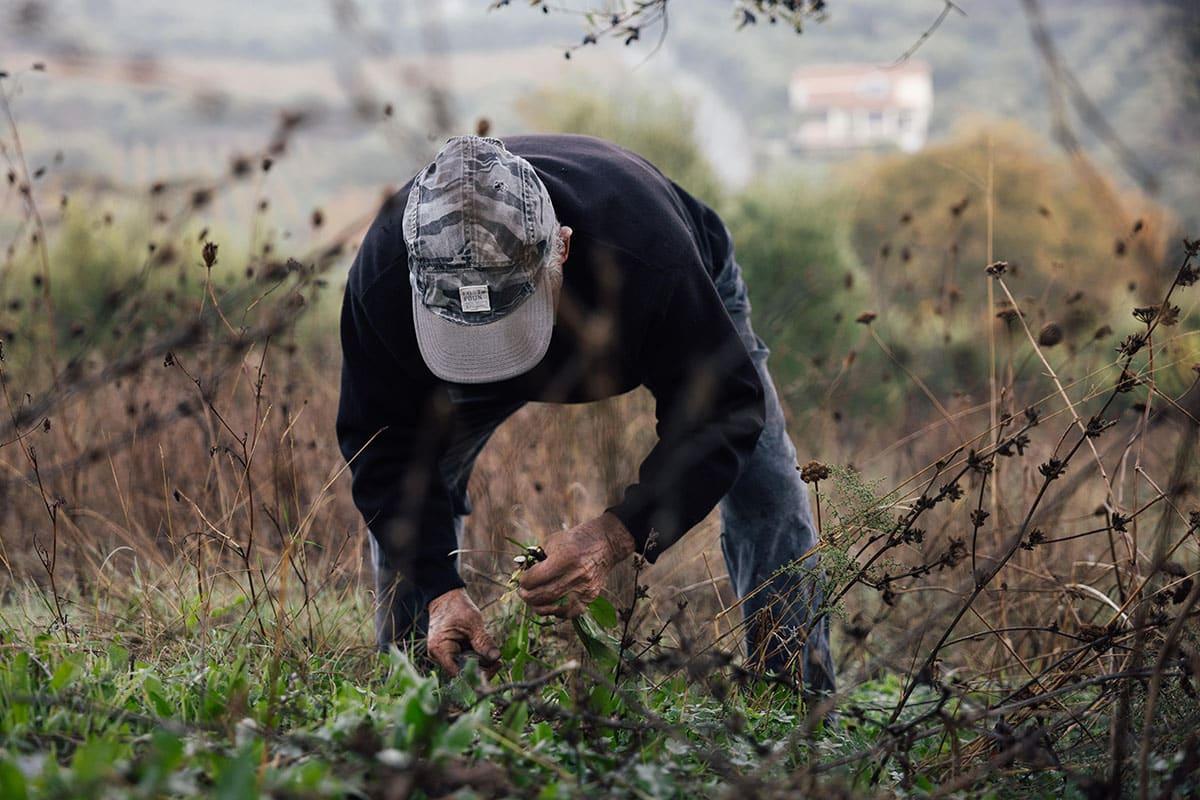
106 285
115 287
659 127
922 222
805 285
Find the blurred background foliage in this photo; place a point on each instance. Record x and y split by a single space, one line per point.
907 237
661 127
904 237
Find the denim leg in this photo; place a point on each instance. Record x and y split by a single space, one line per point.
767 529
400 609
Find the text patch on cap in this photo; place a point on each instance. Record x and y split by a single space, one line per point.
474 298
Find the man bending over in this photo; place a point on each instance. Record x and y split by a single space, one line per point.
565 269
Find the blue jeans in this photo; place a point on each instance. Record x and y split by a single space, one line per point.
767 529
767 532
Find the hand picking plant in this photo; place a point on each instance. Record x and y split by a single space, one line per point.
590 627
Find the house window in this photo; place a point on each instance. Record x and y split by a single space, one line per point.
874 86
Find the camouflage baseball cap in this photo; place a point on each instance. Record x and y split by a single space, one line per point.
480 231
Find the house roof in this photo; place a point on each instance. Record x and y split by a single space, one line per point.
862 86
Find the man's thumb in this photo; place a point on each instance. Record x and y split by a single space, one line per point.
482 644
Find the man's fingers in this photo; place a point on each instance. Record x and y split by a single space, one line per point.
546 595
566 606
540 574
482 644
551 610
561 610
443 652
575 608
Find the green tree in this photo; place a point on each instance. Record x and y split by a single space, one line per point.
794 249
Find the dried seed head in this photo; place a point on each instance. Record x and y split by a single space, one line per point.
1050 335
1052 469
956 553
1127 382
1145 314
1188 275
979 463
1131 344
1096 426
997 268
814 471
1165 314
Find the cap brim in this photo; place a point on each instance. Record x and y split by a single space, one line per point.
488 353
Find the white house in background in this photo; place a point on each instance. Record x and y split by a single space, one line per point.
844 106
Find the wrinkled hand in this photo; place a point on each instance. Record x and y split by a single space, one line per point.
456 626
576 567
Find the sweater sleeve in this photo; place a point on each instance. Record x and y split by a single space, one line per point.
709 404
389 429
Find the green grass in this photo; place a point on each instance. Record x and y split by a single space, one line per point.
208 707
141 702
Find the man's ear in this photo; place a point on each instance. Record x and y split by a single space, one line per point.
565 232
